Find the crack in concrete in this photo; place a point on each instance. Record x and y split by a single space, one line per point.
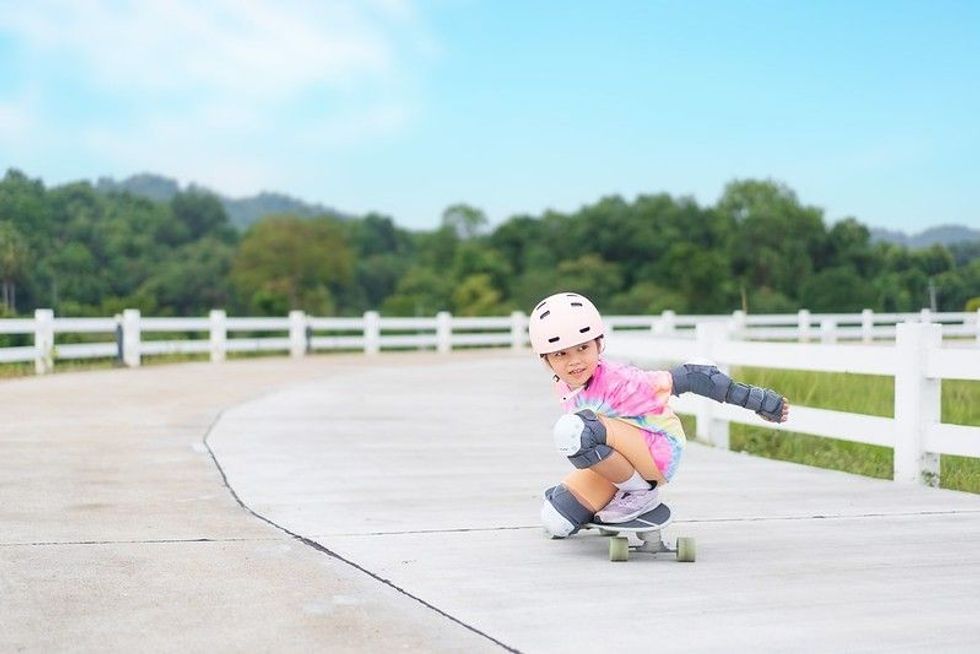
324 550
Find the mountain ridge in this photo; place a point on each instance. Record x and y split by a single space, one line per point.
940 234
242 212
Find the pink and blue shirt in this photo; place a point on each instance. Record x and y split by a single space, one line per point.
637 397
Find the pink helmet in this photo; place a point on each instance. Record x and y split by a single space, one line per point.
563 320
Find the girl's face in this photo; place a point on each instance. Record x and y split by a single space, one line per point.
575 365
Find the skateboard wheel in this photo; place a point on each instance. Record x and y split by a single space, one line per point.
619 548
685 549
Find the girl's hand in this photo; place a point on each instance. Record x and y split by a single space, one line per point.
780 415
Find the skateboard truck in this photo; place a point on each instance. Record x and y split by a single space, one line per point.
647 529
651 542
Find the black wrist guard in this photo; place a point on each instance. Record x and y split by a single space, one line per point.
711 382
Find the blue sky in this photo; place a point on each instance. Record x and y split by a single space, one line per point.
867 109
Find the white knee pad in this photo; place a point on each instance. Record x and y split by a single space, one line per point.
568 434
555 523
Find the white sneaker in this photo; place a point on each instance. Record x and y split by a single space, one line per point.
626 505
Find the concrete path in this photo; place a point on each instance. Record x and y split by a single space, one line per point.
117 533
414 482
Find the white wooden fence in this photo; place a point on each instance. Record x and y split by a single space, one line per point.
917 360
132 336
915 357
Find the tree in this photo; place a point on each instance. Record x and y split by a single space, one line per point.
466 222
422 291
777 241
375 234
285 262
591 276
14 255
193 280
201 213
476 296
647 297
838 289
474 257
849 244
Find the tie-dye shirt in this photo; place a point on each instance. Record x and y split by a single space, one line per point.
637 397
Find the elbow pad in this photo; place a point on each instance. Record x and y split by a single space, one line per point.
702 380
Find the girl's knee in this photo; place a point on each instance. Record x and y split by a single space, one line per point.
581 437
562 513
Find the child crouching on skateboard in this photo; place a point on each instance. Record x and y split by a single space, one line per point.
618 430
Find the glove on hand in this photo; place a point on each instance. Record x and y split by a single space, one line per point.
766 402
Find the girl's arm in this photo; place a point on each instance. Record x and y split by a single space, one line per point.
711 382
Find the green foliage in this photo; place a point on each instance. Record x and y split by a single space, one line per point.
973 304
465 221
14 256
284 263
82 251
201 214
476 296
590 275
647 298
421 292
838 289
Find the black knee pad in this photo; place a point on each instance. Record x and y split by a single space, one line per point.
562 514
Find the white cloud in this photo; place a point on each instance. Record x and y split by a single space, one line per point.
242 46
228 92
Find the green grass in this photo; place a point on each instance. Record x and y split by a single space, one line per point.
867 394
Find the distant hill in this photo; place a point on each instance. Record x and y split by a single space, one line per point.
943 235
241 211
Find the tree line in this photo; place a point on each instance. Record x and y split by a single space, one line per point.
86 252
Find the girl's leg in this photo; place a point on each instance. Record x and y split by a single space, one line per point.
602 463
574 501
633 453
591 489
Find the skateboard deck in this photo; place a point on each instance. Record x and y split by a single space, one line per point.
645 528
652 520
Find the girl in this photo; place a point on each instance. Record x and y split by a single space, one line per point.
618 432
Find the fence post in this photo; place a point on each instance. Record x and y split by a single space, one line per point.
119 339
738 325
131 338
668 321
828 331
297 333
925 316
803 325
444 332
710 429
43 341
867 325
219 335
372 332
917 403
518 330
977 326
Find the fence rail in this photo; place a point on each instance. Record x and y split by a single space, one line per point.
914 356
917 361
371 333
443 332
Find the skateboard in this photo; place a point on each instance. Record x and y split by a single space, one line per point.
646 528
